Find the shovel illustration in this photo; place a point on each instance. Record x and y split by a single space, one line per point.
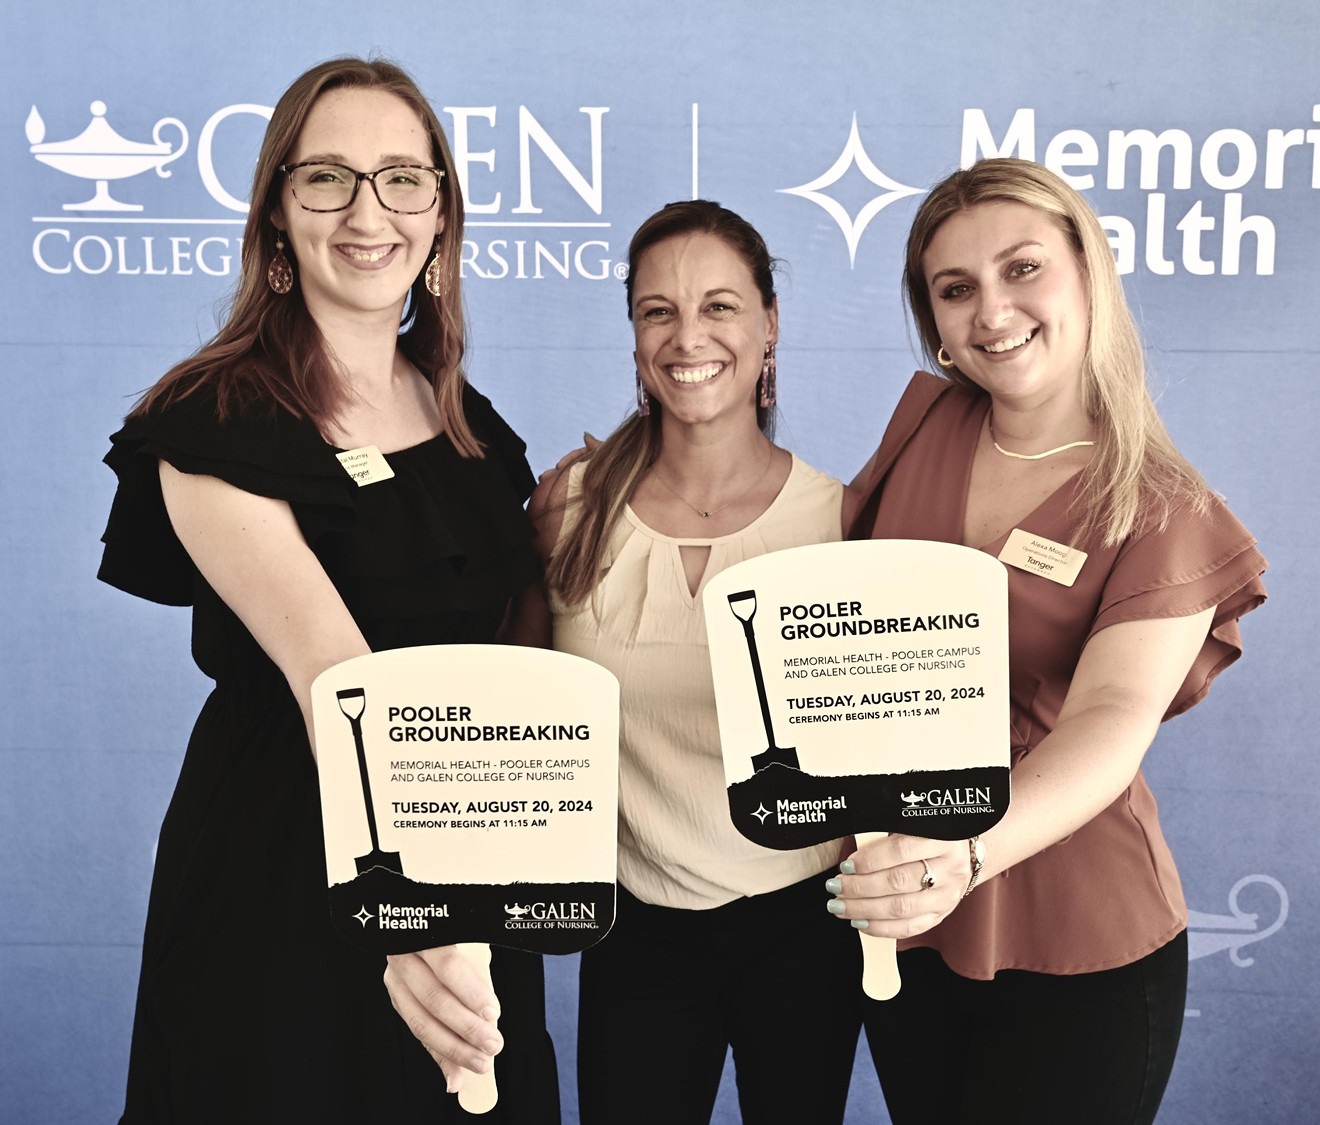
743 607
352 702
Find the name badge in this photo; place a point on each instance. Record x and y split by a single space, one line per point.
366 465
1037 555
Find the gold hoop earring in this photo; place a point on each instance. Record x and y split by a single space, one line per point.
279 274
942 358
435 278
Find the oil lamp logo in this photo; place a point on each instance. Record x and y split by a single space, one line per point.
100 154
113 232
1208 933
1243 925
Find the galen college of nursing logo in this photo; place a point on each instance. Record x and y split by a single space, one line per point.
535 206
551 916
946 802
111 233
1184 197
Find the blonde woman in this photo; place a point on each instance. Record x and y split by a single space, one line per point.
1045 964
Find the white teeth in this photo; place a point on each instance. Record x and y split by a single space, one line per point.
366 255
694 374
1007 345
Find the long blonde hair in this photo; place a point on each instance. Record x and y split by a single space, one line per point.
269 353
1137 474
618 464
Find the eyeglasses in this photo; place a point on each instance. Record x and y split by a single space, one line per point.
405 189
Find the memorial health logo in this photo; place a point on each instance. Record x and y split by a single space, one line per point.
852 227
1149 171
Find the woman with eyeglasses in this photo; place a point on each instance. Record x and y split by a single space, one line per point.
345 332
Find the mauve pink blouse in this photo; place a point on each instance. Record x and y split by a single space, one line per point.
1109 893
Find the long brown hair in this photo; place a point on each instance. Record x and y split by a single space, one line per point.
1137 474
269 354
617 465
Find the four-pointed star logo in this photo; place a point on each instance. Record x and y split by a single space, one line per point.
852 226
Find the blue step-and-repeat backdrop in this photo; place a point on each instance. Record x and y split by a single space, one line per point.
128 133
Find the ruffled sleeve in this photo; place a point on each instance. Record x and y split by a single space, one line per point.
447 531
505 446
277 456
1199 560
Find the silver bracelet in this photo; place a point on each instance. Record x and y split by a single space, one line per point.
976 852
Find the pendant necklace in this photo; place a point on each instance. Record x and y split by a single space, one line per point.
705 513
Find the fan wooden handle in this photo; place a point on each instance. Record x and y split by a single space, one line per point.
478 1094
880 979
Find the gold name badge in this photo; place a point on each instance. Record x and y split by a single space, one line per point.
366 465
1037 555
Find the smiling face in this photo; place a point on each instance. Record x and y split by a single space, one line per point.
361 260
701 329
1010 301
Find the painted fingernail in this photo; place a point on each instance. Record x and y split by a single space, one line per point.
834 886
861 924
847 867
836 906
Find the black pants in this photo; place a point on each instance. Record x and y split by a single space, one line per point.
668 991
1029 1048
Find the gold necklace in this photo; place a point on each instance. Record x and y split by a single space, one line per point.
990 423
704 513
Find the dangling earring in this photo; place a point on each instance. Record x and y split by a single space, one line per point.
942 358
279 274
768 394
643 399
435 278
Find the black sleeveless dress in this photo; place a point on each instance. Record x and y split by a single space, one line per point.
250 1008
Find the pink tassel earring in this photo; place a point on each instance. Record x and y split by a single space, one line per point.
769 393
